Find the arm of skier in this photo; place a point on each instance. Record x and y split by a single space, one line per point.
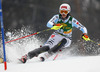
77 24
52 23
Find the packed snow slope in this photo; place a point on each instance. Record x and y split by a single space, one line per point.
72 64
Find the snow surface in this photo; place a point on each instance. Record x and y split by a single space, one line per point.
72 64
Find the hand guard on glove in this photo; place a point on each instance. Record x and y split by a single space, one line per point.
57 26
85 37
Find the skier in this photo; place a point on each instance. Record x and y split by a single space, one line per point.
62 23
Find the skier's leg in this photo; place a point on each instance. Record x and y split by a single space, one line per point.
37 51
55 42
53 50
58 46
34 53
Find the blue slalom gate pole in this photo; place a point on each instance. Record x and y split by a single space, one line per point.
3 41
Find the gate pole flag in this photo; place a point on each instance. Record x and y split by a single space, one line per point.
3 41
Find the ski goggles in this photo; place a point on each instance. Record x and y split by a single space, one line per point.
63 11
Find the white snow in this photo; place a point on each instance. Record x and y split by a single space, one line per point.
72 64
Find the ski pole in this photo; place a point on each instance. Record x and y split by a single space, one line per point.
53 28
88 39
55 57
94 42
28 35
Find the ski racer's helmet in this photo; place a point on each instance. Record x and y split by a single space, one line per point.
65 7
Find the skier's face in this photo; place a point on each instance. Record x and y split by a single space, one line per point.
63 13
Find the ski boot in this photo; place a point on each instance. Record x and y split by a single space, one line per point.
42 59
24 58
45 56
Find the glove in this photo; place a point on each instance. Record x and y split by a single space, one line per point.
85 37
57 26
